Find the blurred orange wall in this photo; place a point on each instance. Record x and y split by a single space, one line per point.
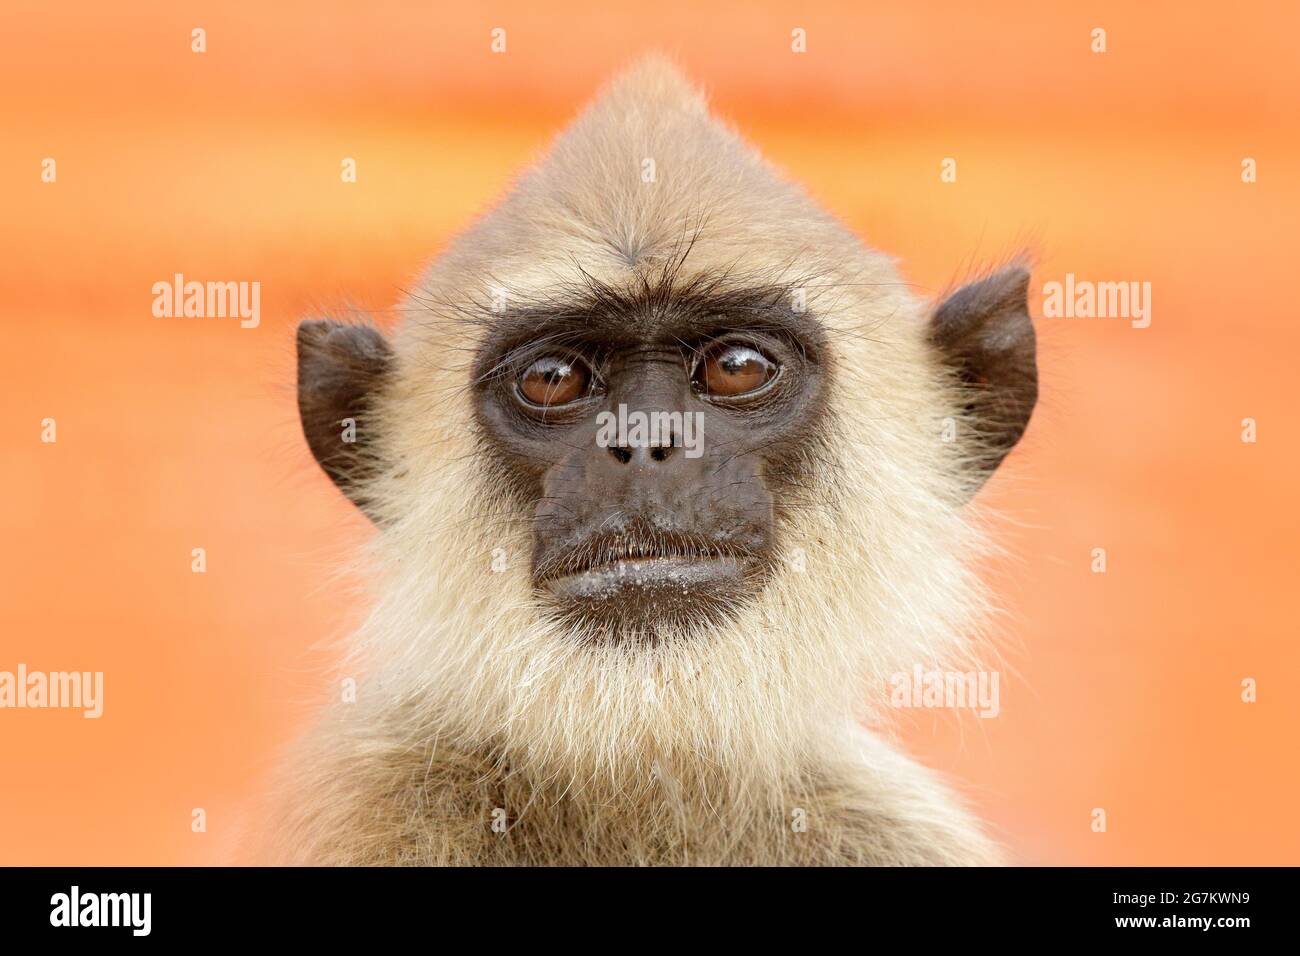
1122 690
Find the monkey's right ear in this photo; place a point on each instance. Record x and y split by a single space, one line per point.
341 368
984 334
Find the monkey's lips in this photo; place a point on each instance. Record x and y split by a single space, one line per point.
626 585
666 576
640 582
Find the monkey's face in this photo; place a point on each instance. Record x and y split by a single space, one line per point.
657 445
654 440
662 456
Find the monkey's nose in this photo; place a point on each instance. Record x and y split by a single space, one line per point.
642 455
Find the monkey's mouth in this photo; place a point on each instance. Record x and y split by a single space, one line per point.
647 572
644 583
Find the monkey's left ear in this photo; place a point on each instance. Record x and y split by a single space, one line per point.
984 333
341 368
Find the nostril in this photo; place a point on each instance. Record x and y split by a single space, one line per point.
622 455
661 452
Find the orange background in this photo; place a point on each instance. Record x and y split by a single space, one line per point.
1122 690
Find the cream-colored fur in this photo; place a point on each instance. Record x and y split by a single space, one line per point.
482 732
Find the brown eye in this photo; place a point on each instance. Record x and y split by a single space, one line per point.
554 381
730 370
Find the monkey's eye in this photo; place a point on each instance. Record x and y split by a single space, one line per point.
553 380
729 370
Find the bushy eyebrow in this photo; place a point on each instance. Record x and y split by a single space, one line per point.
646 311
641 313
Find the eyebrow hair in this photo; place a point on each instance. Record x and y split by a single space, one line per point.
644 307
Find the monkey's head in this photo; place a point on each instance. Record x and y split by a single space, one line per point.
661 457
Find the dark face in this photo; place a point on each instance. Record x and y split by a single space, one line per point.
636 532
671 519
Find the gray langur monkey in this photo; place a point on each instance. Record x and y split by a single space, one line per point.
592 647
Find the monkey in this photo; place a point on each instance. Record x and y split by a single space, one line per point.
591 652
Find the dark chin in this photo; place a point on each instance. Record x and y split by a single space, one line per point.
651 599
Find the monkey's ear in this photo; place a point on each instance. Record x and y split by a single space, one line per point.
984 333
340 369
